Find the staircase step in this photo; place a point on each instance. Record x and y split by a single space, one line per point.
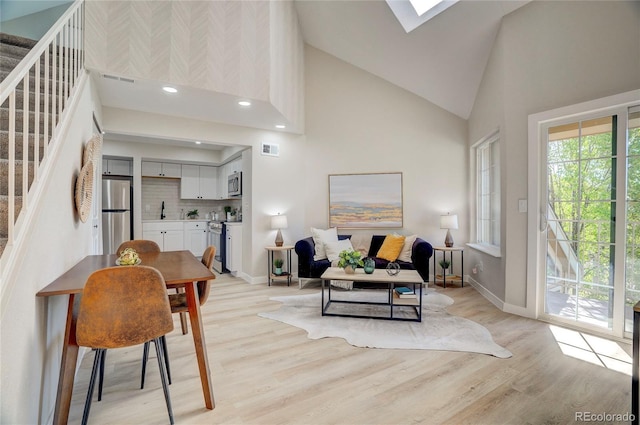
4 211
16 40
4 119
4 177
4 145
32 100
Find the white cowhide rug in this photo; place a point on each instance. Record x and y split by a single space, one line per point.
438 330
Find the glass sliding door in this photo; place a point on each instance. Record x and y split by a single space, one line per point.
580 203
632 258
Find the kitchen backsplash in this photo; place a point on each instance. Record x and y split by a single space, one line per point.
155 190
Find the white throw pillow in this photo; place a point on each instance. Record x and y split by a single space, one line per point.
320 237
405 253
333 249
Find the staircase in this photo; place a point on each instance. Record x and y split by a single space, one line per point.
12 50
37 82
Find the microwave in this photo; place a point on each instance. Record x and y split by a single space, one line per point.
235 184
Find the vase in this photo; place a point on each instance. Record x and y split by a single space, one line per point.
349 269
278 271
369 265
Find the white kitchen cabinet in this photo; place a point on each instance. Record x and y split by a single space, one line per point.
169 235
234 247
161 169
117 167
199 182
195 237
224 171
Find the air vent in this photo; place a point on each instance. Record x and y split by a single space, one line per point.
114 77
270 149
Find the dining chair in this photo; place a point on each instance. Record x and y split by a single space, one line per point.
122 307
178 304
140 245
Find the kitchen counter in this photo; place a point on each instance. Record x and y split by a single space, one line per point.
174 221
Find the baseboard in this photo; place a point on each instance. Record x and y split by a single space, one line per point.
517 310
486 293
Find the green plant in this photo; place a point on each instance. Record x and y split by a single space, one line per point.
350 258
192 213
277 263
444 264
227 209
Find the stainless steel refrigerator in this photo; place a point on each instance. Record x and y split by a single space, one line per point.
117 225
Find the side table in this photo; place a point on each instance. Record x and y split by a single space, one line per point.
452 277
272 277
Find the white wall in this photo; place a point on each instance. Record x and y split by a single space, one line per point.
359 123
548 55
32 328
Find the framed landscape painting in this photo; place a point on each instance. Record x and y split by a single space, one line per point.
365 200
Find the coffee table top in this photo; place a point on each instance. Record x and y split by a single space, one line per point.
378 275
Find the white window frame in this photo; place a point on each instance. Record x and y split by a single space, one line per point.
487 243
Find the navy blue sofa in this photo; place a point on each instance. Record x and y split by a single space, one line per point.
310 269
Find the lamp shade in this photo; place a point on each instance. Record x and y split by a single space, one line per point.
279 222
449 221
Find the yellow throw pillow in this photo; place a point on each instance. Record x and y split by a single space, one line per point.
391 247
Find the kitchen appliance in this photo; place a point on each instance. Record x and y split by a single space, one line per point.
235 184
117 221
216 238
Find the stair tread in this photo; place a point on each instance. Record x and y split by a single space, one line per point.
16 40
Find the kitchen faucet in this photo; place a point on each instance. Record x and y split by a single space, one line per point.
162 215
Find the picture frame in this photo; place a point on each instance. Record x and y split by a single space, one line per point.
363 201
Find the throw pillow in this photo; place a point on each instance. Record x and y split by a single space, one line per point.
333 249
391 247
405 254
320 237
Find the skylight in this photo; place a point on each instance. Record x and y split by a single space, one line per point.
413 13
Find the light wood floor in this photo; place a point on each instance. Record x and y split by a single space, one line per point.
267 372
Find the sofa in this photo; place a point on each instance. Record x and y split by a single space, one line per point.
308 268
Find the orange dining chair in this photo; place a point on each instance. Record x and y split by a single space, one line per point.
121 307
140 245
179 305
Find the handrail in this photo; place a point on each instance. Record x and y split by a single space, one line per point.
49 74
16 76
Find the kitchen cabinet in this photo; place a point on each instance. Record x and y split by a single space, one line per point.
168 235
199 182
234 247
224 171
117 167
195 237
161 169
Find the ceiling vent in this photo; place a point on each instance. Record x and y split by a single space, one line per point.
270 149
116 78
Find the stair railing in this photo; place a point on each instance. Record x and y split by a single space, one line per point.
57 59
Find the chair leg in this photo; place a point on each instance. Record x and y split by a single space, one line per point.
163 378
94 371
165 352
101 380
145 357
183 323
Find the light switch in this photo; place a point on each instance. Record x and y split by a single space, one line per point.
522 205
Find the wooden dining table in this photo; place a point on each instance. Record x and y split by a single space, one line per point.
180 269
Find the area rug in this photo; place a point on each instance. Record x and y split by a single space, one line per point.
438 330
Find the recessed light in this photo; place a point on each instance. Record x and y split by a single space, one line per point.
244 103
281 126
170 89
198 142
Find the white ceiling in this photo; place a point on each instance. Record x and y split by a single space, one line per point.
441 61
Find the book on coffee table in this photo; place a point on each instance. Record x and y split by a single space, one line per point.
404 292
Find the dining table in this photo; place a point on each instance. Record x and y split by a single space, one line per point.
180 269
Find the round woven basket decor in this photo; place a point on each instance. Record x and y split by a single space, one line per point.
92 149
84 191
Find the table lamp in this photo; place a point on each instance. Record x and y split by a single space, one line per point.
448 222
279 222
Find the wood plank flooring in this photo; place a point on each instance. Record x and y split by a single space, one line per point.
267 372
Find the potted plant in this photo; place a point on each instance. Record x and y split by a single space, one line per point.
349 260
192 214
227 211
277 264
445 265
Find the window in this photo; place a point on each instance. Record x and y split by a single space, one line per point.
488 194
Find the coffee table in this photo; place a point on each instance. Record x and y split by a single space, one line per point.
408 278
